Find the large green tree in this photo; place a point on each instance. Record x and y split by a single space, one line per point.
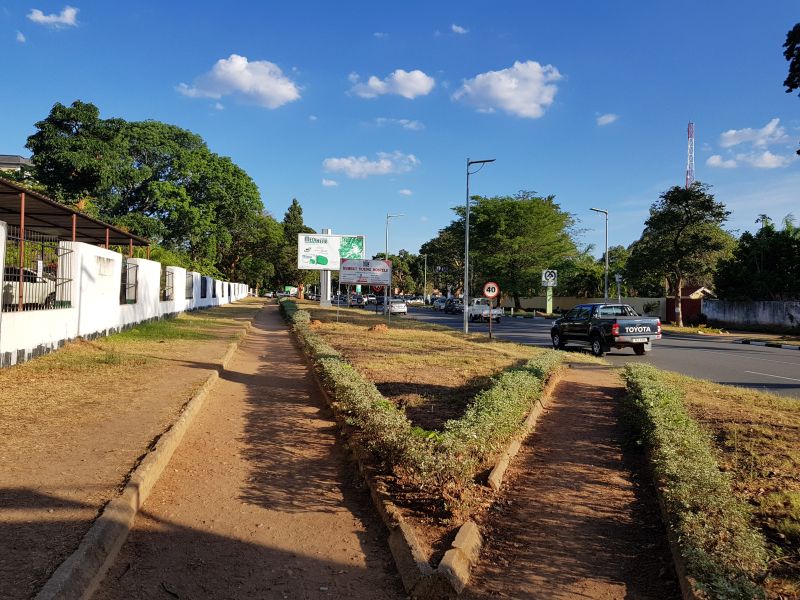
764 266
156 180
791 52
683 239
286 263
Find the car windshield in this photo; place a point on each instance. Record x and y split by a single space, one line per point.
619 310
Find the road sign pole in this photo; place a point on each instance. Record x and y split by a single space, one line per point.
549 300
491 306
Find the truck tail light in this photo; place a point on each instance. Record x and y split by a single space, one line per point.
615 329
658 321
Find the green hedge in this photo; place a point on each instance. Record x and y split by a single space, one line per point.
447 460
723 552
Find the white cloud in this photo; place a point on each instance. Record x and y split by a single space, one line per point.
458 29
329 182
405 192
21 37
717 161
361 167
771 133
765 160
408 84
524 90
381 35
404 123
606 119
259 81
312 117
66 18
219 106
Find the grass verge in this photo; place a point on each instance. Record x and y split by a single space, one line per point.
699 330
725 556
443 463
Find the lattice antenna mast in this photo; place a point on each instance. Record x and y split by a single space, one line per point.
690 157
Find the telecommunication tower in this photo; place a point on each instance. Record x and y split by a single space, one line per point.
690 156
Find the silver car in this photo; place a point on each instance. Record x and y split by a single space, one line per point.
397 306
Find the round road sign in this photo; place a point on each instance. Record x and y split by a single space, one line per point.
491 290
377 288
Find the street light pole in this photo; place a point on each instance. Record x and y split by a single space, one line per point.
386 257
605 212
425 282
466 240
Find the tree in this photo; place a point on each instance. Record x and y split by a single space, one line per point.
286 264
792 54
580 275
683 239
764 266
446 257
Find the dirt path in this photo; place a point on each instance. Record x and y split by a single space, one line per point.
72 426
577 520
259 500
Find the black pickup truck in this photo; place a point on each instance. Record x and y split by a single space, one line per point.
605 326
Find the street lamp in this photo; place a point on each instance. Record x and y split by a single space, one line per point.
425 281
605 212
386 257
466 240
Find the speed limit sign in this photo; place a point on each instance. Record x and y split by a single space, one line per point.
491 290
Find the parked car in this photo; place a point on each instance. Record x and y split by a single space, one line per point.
606 326
356 300
38 291
396 306
480 310
439 303
454 306
369 299
415 301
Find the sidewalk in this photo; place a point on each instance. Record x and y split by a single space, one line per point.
577 518
259 501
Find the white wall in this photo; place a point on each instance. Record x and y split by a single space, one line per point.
96 308
772 313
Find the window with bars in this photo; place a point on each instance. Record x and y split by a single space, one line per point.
37 272
203 287
129 282
189 286
166 284
213 288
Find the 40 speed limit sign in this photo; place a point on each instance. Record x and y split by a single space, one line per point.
491 290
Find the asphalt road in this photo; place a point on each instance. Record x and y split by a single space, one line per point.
718 359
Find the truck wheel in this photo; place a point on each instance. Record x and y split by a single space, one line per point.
597 346
558 341
639 349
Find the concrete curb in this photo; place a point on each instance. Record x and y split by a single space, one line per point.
420 580
769 344
82 572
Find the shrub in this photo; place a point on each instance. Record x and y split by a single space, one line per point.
722 551
447 461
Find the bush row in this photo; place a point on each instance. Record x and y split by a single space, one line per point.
724 554
447 460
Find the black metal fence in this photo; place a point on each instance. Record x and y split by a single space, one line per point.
129 282
37 272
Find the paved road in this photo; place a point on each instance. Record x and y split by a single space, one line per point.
718 359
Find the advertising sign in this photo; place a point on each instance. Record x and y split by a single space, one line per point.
322 251
366 272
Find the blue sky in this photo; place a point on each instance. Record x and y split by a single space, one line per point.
360 108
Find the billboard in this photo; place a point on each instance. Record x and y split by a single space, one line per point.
324 251
366 272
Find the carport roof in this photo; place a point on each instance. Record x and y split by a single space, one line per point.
48 217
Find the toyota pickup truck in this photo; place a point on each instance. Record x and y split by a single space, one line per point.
605 326
480 310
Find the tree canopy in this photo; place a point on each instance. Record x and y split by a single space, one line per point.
158 181
683 239
791 52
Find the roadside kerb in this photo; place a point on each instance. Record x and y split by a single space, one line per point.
82 572
420 580
770 344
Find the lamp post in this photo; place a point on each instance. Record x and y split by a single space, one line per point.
466 239
605 212
386 257
425 282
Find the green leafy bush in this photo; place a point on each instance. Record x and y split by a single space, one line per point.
723 552
447 461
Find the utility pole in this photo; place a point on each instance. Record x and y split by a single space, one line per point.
425 282
466 239
605 212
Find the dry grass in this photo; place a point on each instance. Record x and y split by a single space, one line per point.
67 387
758 438
430 371
700 330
